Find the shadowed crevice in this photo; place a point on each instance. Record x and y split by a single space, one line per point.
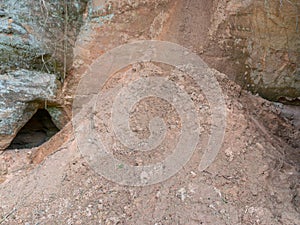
36 131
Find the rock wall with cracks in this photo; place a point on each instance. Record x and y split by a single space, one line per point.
36 51
263 39
255 43
21 93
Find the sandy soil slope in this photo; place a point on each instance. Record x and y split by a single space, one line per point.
254 179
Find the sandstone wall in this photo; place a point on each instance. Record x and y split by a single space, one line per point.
263 37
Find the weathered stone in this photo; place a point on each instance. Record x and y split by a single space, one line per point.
36 50
59 116
39 35
2 13
18 48
22 92
262 37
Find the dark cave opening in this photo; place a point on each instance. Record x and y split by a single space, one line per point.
36 131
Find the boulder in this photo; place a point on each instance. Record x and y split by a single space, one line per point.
22 92
36 52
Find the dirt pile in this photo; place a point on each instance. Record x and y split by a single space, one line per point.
255 177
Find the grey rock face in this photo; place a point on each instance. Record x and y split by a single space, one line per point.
39 35
21 93
36 49
18 48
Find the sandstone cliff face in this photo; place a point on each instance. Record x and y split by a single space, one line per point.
255 42
263 39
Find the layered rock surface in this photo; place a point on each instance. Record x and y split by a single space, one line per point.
22 92
262 38
255 43
36 47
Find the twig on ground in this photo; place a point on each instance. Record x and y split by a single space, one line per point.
8 215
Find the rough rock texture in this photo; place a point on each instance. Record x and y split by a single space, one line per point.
254 42
254 180
19 49
262 38
36 49
22 92
39 35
